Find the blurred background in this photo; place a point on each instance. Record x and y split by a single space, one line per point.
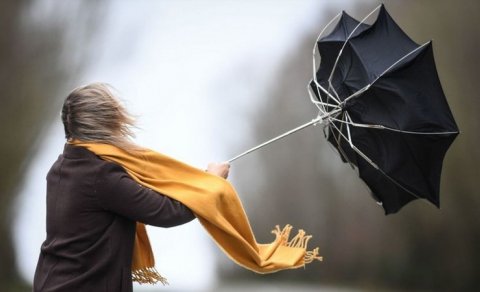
209 79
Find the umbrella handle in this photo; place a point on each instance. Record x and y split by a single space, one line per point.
318 120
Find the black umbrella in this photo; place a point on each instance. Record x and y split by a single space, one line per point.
395 125
383 107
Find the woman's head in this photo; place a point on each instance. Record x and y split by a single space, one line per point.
92 113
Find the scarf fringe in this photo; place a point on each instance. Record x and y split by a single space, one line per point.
299 241
148 275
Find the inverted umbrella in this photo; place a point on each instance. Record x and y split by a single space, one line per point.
383 108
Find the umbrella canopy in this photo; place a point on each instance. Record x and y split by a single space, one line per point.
329 48
391 119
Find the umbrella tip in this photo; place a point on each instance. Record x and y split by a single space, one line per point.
381 7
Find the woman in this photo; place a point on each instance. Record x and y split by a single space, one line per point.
93 205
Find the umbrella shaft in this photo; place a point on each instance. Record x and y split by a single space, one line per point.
312 122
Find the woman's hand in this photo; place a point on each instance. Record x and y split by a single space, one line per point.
220 169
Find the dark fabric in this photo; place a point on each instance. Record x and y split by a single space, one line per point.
403 96
92 207
329 47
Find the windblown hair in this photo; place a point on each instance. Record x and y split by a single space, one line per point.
92 113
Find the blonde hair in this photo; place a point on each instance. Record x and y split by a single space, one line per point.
92 113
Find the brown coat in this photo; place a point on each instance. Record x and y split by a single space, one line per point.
92 206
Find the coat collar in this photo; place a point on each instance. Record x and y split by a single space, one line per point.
71 151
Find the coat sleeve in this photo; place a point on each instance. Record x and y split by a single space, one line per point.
119 193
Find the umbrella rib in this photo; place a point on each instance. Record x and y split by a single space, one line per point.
318 104
362 90
337 140
315 45
393 180
399 60
345 42
327 93
330 87
381 127
349 140
368 160
314 64
339 146
321 104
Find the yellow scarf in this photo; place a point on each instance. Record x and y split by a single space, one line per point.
215 203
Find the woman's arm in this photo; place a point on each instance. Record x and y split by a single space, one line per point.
119 193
